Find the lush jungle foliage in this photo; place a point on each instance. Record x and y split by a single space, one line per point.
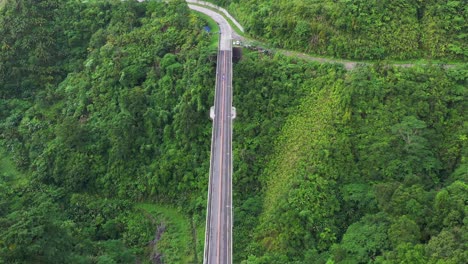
368 167
104 122
102 104
360 29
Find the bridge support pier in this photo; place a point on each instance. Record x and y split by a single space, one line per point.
212 113
233 113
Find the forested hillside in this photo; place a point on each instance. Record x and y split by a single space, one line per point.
359 29
105 140
102 104
370 167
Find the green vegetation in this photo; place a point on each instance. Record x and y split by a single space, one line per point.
231 23
105 137
361 29
177 241
358 169
8 171
102 105
214 27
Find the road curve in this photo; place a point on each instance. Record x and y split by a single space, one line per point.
225 42
218 233
220 9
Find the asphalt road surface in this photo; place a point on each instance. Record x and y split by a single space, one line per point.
218 234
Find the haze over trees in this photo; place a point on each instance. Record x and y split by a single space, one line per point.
105 138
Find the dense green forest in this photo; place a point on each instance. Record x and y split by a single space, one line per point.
359 29
105 140
102 106
368 166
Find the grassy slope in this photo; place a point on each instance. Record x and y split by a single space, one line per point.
176 243
308 131
305 139
8 171
214 29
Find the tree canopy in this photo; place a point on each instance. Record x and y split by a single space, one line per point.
359 29
105 133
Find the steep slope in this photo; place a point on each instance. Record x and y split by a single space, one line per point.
359 170
359 29
114 112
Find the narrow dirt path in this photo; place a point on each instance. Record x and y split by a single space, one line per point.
349 65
